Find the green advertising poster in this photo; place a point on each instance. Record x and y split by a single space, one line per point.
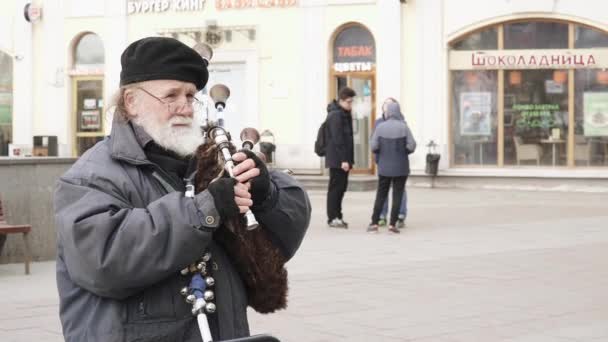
6 100
596 114
5 114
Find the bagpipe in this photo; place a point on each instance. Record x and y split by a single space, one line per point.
259 262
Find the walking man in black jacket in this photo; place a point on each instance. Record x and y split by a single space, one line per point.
340 155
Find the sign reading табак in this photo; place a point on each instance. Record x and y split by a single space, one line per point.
354 50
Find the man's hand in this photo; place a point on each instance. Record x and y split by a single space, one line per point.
230 197
242 197
252 172
345 166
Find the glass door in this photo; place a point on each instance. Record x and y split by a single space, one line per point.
363 118
88 108
362 121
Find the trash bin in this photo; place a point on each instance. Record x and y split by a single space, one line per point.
432 163
267 146
432 159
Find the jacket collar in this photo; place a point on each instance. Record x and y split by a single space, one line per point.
124 144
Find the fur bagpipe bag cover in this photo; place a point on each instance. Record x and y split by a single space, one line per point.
258 260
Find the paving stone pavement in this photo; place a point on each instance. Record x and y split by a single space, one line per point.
470 266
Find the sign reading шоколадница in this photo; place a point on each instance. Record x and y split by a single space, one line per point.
529 59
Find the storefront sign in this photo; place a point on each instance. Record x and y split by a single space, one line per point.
159 6
596 114
529 59
354 50
536 115
242 4
353 67
475 113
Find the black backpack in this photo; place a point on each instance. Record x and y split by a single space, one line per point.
321 142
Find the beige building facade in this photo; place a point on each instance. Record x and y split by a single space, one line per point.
505 88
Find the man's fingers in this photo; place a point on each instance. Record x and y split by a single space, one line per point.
242 197
244 166
243 202
239 157
243 178
241 190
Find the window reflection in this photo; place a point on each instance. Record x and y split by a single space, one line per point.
474 117
481 40
536 117
536 35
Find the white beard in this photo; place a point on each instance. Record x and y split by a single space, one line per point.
181 140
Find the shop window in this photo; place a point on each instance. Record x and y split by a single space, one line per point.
587 38
591 118
89 113
553 101
536 117
536 35
6 102
481 40
474 124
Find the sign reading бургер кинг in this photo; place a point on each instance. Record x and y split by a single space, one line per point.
159 6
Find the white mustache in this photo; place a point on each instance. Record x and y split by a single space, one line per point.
180 120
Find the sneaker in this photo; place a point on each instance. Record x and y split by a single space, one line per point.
337 223
382 222
401 223
393 230
372 229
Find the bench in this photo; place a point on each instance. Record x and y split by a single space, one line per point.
24 229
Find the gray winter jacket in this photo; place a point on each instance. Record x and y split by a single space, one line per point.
393 142
124 234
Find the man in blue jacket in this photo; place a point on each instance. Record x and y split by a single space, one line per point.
392 142
403 207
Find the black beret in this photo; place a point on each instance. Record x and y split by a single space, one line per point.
160 58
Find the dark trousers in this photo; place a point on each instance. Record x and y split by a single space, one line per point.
338 182
384 184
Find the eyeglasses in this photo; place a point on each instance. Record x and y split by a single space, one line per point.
175 106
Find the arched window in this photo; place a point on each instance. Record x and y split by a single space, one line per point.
530 92
6 102
89 51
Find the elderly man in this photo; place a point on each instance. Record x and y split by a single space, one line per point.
126 229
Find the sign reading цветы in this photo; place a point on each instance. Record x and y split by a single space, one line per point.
158 6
